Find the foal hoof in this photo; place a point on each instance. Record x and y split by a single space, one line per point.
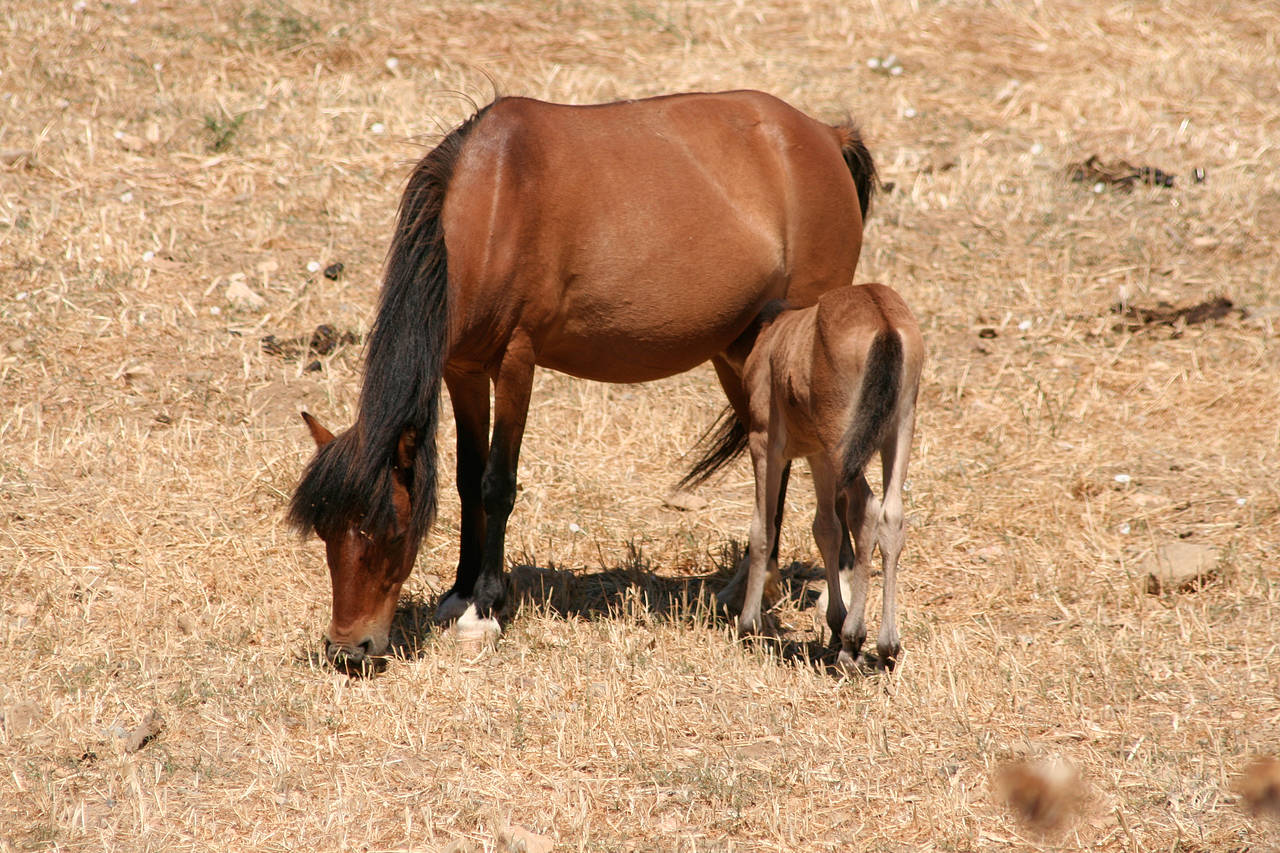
852 665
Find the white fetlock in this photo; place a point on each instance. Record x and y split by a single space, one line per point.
470 627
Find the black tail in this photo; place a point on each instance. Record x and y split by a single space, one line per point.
404 362
861 166
877 402
724 441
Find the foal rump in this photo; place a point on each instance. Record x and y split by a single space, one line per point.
877 403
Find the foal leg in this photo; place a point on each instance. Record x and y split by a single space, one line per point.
894 454
827 533
511 386
469 393
766 460
730 597
862 512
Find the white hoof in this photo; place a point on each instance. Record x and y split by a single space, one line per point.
469 627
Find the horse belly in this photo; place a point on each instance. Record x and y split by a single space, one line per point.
645 331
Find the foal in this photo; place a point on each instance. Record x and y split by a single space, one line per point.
834 382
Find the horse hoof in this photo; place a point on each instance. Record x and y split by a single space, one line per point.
470 627
451 609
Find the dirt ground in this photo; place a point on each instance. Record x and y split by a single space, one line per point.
179 182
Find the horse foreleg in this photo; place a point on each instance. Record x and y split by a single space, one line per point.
512 383
469 394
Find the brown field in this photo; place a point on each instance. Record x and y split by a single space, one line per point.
152 153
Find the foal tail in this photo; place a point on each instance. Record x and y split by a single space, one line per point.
407 348
876 405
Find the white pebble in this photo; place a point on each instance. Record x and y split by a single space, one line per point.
215 310
909 112
1037 149
1123 479
1124 529
873 63
895 70
392 63
377 128
148 256
573 528
1024 325
1241 501
313 266
21 297
126 197
1098 187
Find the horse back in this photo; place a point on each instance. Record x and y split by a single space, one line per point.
697 206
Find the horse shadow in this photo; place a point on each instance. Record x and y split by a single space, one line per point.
632 587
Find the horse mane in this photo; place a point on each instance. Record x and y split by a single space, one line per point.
350 478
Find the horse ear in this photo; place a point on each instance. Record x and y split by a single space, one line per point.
321 435
407 448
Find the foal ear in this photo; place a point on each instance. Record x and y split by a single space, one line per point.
407 448
319 434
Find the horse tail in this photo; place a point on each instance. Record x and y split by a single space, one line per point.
858 159
407 348
876 404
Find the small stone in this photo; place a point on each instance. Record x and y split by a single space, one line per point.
241 295
1180 567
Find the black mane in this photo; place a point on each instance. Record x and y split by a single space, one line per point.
349 479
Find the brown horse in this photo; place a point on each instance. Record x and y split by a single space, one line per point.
835 383
622 242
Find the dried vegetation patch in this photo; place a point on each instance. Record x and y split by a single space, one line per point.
176 181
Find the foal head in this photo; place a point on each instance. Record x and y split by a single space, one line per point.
367 567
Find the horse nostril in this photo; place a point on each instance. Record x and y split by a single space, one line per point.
365 647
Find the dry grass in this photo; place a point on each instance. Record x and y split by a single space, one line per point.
151 151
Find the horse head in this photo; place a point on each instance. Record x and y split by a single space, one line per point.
367 567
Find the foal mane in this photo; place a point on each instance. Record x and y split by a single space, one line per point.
350 478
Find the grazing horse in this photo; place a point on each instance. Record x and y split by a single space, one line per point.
835 383
620 242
